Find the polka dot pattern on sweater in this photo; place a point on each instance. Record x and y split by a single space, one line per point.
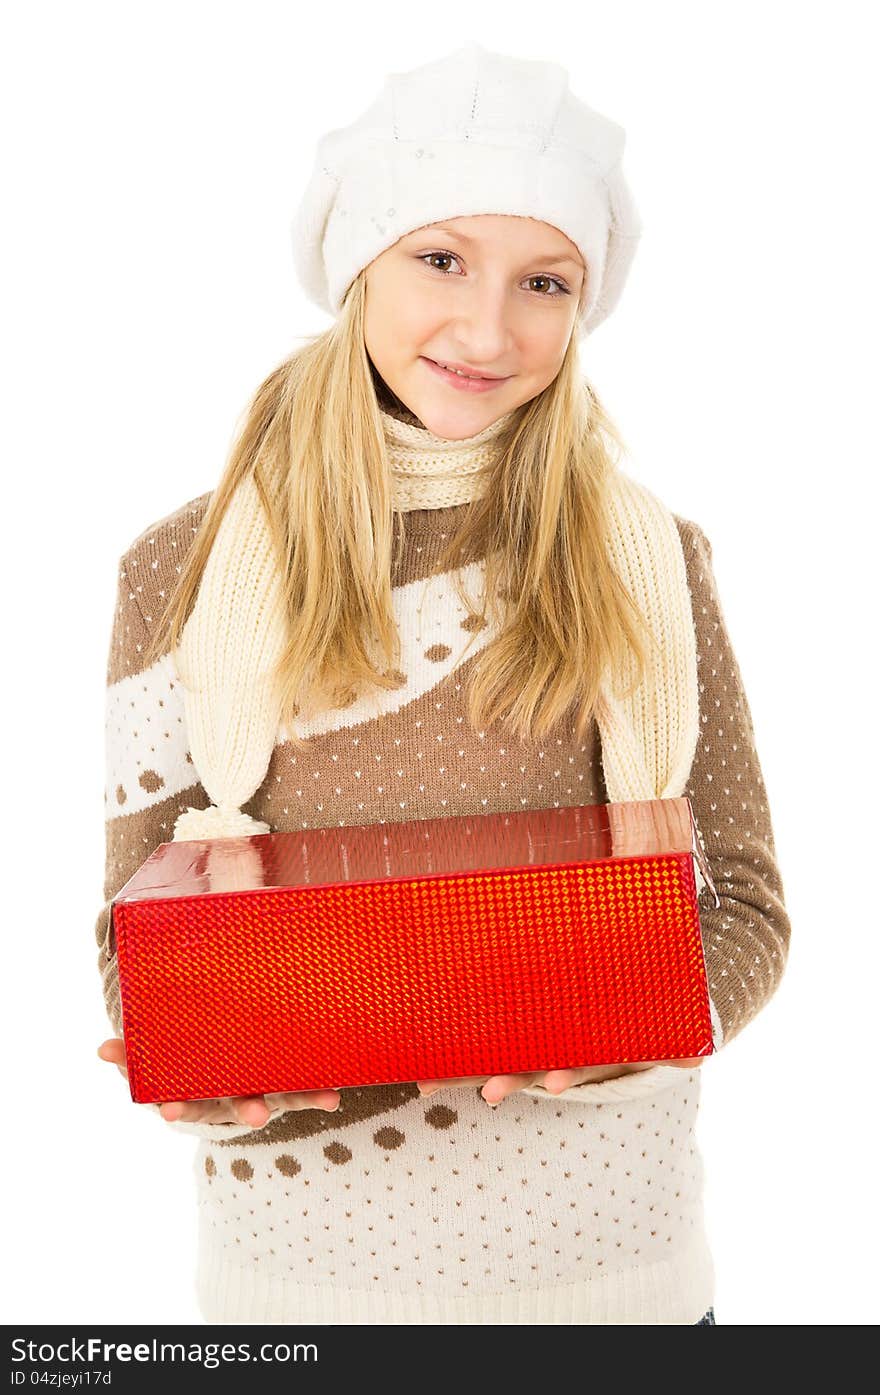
396 1199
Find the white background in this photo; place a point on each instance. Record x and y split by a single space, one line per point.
153 157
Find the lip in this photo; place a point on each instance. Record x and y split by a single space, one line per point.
463 384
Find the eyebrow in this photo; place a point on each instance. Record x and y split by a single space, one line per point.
557 259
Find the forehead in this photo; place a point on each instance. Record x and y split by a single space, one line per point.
524 236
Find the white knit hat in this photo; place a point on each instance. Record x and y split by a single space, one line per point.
474 132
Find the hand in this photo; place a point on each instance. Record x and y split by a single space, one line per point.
243 1109
498 1087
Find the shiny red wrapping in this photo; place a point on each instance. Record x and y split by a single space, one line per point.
379 953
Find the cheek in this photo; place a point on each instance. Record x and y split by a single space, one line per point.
399 320
416 326
400 336
544 346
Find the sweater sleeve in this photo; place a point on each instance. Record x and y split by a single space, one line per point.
746 938
149 779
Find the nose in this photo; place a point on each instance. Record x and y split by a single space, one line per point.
482 329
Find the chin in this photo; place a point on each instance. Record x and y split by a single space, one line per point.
452 424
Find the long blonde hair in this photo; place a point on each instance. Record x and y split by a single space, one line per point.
313 440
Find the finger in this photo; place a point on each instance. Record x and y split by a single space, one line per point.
329 1100
427 1087
498 1087
113 1051
172 1110
218 1111
251 1109
555 1081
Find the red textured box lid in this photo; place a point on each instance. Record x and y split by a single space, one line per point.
379 953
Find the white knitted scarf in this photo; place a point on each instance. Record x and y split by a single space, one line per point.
235 633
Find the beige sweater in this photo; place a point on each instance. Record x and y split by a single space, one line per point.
586 1208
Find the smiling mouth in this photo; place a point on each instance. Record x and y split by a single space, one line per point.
475 377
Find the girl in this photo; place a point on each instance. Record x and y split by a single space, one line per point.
423 587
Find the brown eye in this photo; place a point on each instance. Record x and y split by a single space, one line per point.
427 257
563 290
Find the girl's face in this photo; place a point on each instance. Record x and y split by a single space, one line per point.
493 294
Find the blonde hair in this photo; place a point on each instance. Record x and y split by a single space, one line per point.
313 440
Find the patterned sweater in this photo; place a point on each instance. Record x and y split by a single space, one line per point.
580 1208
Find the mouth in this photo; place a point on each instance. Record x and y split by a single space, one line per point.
461 379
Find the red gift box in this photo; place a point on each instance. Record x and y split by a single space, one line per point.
435 948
